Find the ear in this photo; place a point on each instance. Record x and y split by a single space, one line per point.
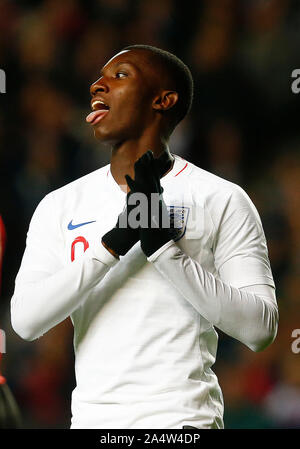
166 100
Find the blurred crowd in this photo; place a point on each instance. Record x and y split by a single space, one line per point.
243 127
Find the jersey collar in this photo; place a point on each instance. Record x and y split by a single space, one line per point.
179 167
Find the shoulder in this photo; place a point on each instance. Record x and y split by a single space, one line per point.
71 194
79 188
211 185
218 195
83 183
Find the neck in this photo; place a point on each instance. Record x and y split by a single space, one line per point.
124 156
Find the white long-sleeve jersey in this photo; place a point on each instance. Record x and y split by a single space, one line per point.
144 330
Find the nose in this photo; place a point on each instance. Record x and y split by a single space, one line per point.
98 86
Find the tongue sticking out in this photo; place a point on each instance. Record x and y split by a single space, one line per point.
95 116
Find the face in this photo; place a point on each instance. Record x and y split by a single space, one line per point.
122 97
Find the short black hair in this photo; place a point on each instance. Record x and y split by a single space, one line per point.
178 73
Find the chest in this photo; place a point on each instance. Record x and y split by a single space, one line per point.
90 217
85 221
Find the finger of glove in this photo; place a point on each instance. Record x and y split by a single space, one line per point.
157 167
162 164
135 187
131 184
141 167
146 173
154 173
145 176
144 159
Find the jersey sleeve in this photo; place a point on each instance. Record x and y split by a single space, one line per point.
239 246
46 290
240 298
42 253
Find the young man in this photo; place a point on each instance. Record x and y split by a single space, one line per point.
144 323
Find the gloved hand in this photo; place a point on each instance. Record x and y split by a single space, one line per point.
122 237
158 229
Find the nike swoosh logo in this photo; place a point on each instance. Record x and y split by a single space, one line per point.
72 226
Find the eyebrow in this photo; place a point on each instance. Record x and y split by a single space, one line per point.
121 63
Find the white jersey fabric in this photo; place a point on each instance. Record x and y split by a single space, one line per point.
144 330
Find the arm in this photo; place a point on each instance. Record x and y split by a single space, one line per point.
248 314
46 291
240 300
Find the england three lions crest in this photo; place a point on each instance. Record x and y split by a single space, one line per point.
178 219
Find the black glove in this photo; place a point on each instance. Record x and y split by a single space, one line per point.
122 237
158 229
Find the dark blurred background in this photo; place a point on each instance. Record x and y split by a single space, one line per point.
243 127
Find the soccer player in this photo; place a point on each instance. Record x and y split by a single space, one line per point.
145 301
